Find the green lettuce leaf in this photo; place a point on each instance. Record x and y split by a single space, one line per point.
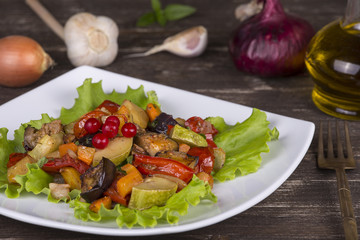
9 146
243 144
92 95
176 206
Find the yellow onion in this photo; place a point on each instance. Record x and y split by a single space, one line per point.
22 61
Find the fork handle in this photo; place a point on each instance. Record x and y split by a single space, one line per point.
347 211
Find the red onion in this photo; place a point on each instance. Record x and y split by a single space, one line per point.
271 43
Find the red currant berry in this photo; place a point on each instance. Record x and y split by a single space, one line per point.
92 125
129 130
100 141
110 129
114 119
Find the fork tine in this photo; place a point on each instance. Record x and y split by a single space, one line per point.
321 144
338 142
330 151
348 143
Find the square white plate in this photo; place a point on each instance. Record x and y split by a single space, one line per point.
234 196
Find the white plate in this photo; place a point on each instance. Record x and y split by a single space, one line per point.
234 196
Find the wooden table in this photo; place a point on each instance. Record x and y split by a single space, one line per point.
306 206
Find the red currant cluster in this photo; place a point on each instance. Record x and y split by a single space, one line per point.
108 130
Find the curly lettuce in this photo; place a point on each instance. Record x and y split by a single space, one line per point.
243 144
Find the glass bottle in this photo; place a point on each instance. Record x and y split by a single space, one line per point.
333 61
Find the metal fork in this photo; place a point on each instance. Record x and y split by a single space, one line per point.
339 163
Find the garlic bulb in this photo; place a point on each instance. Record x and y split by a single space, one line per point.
91 40
188 43
247 10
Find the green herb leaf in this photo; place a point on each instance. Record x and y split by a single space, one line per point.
160 17
178 11
156 5
171 12
146 19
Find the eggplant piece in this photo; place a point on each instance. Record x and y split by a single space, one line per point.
87 140
97 179
153 143
161 123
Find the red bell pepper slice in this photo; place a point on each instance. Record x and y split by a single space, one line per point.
14 158
108 105
199 125
54 165
79 130
148 165
206 159
210 140
114 195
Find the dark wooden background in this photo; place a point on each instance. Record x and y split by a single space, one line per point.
305 206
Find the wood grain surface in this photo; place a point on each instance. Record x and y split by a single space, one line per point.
305 207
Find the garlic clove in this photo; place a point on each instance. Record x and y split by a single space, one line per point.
91 40
188 43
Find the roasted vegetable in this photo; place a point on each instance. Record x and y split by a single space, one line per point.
132 178
19 168
86 154
152 111
96 205
46 145
206 159
14 158
184 135
148 165
97 179
154 191
54 165
219 158
117 151
207 178
153 143
162 123
71 176
138 114
199 125
178 156
113 193
64 148
59 191
32 136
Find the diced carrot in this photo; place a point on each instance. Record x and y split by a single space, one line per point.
132 178
63 148
152 111
86 154
96 205
206 178
184 147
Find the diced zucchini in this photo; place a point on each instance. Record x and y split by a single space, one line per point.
117 151
184 135
46 145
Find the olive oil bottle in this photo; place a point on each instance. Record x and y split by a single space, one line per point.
333 61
